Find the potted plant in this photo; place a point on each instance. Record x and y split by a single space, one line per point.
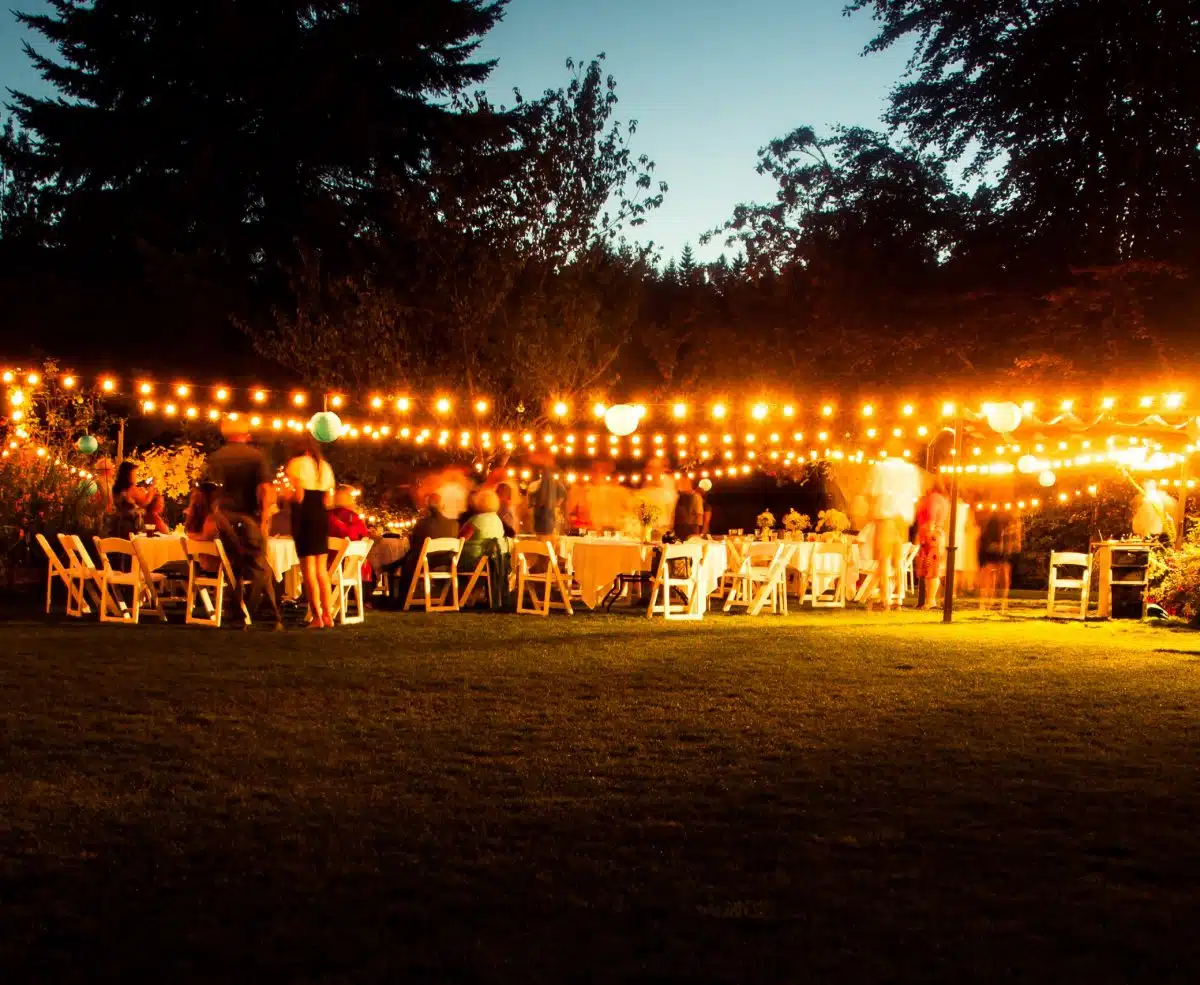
832 525
795 524
765 523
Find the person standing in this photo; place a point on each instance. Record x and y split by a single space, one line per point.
933 522
545 496
689 511
311 481
508 515
247 500
999 545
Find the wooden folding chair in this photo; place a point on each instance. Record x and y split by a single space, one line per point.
57 571
140 583
1082 584
345 577
691 556
201 580
828 574
758 584
493 551
425 576
537 564
82 574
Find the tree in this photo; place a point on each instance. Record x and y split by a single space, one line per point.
687 264
227 136
503 276
1087 113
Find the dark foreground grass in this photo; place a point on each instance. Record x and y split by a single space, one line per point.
476 798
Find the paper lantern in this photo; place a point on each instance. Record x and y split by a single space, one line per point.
622 419
1027 465
88 487
705 485
1004 418
325 426
1047 479
87 444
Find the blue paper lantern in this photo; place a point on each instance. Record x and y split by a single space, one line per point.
325 426
89 487
87 444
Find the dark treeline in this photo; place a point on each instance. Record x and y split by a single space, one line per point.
320 188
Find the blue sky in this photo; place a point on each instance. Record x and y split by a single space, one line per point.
709 82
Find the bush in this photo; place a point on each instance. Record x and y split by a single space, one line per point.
1175 577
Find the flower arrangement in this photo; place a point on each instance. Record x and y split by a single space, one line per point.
648 513
174 470
765 521
796 523
834 521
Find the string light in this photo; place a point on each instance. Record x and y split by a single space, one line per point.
679 411
299 399
260 396
182 390
443 405
69 382
759 412
719 411
481 406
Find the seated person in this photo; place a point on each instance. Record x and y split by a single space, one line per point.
484 525
153 517
432 526
507 513
130 500
203 522
347 524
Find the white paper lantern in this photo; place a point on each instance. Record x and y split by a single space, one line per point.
705 485
622 419
1047 479
1004 418
1027 465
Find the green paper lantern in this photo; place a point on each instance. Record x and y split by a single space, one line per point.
87 444
325 426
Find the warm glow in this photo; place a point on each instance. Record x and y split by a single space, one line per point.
1027 408
336 401
719 411
7 377
69 382
148 406
1067 405
947 409
214 415
640 410
169 410
680 411
1108 403
1174 400
191 412
443 405
789 411
376 403
403 404
299 399
868 410
182 390
759 412
16 398
108 386
33 379
827 410
560 409
908 410
481 406
260 396
599 410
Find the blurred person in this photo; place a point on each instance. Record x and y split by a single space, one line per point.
484 525
433 525
129 501
932 523
203 521
999 545
311 487
246 499
893 490
153 516
546 495
689 511
578 508
507 512
346 523
1153 517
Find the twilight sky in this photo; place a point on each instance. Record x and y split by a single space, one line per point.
709 82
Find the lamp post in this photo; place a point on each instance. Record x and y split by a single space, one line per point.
952 544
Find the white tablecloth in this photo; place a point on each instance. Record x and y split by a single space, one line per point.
598 562
282 556
157 551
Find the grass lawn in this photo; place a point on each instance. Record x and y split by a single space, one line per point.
828 797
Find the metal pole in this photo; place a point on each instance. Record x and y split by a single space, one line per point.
952 543
121 442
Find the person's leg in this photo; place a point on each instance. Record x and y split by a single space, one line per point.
321 570
921 593
312 591
1005 584
931 589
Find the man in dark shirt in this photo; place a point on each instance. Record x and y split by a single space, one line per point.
431 526
247 500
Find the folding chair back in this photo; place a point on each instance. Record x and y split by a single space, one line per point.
112 582
828 574
537 565
200 580
82 574
678 571
760 583
345 575
425 575
57 571
491 570
1083 584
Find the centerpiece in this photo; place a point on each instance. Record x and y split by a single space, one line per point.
765 523
795 524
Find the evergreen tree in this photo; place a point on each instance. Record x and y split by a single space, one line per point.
687 264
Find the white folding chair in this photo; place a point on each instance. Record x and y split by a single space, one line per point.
537 564
691 556
56 570
425 576
827 573
733 563
908 567
200 580
759 583
345 577
1082 584
143 596
82 574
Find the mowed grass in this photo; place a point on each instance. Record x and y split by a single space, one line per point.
828 797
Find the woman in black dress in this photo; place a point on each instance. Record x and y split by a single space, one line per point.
312 484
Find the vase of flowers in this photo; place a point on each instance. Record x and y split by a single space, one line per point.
832 525
765 523
648 515
795 524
